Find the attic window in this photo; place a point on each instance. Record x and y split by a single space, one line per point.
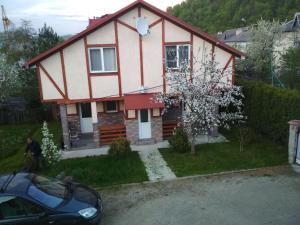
102 60
177 56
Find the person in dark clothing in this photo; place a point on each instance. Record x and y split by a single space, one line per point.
33 148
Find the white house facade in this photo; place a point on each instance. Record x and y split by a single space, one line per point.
104 78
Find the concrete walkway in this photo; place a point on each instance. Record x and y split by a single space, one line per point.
85 153
156 166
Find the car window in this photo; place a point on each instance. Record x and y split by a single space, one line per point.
44 198
13 207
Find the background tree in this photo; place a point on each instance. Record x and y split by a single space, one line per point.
210 17
290 69
260 61
202 93
46 38
10 83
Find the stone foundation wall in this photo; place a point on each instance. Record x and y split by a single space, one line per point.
132 130
110 118
157 129
293 136
74 123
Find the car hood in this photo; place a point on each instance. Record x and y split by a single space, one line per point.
81 197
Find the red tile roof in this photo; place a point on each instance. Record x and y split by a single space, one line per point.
141 101
123 11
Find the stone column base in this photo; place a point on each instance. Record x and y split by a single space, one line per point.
294 129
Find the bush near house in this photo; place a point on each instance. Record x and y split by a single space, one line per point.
119 147
179 142
269 109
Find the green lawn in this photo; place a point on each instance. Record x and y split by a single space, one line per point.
212 158
102 170
15 136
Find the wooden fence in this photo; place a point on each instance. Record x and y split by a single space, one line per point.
168 128
110 133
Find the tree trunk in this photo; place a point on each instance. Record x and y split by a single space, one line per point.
193 150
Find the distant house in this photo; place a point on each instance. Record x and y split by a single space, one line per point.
105 77
240 37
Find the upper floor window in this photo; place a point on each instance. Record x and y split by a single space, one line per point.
102 60
177 56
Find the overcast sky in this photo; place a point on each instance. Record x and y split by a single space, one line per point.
66 16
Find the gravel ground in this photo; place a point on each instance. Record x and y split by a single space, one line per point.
264 196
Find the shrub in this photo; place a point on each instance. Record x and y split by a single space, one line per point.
50 151
269 109
179 142
119 147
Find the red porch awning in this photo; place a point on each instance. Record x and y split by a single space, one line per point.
141 101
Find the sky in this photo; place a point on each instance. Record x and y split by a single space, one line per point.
66 16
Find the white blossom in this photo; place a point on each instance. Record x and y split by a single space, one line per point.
203 93
49 150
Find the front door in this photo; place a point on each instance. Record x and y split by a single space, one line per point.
298 150
144 124
86 122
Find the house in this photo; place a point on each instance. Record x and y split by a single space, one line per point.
105 77
241 37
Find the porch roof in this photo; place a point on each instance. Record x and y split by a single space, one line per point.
141 101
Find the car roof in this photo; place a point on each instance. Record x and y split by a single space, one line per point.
18 184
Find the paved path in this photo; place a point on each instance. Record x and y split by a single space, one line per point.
261 197
156 166
84 153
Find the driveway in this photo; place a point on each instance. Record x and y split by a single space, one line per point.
266 196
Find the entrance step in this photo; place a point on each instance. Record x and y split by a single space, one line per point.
148 141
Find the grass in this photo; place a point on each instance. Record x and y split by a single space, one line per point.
102 170
18 134
218 157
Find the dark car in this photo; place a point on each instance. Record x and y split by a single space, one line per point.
27 198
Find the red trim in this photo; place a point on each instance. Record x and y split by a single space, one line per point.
227 64
178 43
126 9
62 61
155 23
118 56
52 81
141 53
163 54
39 81
71 101
103 74
88 67
213 52
100 45
191 57
233 71
127 25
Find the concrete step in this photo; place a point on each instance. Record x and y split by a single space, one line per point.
148 141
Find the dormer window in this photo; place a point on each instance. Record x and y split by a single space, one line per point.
102 60
177 56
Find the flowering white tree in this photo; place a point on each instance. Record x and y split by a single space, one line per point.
9 78
49 150
205 95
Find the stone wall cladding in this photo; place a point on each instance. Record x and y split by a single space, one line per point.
157 129
132 130
65 126
96 135
74 123
110 118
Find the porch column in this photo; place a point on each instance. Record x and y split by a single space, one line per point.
95 123
294 127
65 125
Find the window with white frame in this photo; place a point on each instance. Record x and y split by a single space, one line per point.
177 56
102 60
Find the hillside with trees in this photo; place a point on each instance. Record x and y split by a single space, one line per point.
218 15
